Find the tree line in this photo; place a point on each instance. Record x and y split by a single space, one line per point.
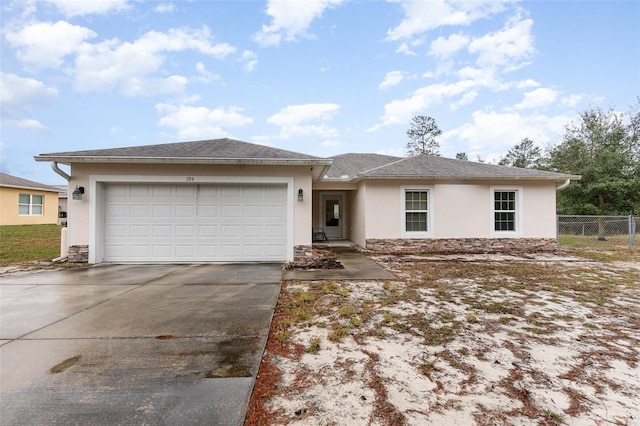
601 146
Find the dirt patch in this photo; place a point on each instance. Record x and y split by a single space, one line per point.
458 340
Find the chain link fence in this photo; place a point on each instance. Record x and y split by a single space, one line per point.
600 231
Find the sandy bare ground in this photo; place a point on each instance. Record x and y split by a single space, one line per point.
455 340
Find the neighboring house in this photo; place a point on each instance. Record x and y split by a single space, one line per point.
24 202
226 200
62 203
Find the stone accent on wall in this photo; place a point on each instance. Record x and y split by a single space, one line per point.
301 253
78 254
463 245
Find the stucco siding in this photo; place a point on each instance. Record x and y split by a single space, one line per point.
539 212
382 211
80 220
460 209
9 213
357 217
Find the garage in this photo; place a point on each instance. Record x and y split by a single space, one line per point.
204 222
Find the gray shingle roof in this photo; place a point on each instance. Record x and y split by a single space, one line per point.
16 182
432 167
352 164
209 149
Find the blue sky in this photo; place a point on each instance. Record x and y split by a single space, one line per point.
322 77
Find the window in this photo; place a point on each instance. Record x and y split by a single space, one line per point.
30 205
416 209
506 210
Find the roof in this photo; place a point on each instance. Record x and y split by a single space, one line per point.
16 182
220 151
348 165
433 167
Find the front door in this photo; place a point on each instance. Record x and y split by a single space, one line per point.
332 216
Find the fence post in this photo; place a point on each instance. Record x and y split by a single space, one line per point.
632 231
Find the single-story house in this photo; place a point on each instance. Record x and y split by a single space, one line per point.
225 200
25 202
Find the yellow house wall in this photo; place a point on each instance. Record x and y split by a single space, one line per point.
9 199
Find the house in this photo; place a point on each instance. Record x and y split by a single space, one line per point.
226 200
24 202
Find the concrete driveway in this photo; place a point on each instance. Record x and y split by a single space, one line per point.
134 344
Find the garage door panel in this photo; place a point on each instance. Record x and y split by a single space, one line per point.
185 231
165 222
207 231
275 211
185 251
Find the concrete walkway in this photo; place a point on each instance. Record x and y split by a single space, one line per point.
356 267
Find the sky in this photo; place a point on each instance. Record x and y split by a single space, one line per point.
320 77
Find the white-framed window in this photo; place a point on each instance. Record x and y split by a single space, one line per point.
506 211
30 204
417 211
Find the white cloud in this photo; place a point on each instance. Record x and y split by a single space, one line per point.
205 75
46 44
509 48
193 122
250 60
401 110
499 131
421 16
393 78
124 65
19 92
445 47
30 124
27 123
537 98
572 100
165 8
294 120
405 50
71 8
290 19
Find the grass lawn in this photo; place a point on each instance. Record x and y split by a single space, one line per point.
593 242
29 243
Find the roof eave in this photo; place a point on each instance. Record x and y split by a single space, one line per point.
33 188
189 160
442 177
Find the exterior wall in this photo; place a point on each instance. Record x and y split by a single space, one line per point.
357 216
9 199
382 209
82 174
460 209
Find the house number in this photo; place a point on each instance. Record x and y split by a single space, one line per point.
191 179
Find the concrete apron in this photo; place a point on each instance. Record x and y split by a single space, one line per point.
356 267
125 344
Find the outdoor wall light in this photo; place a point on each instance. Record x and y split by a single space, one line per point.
77 193
300 195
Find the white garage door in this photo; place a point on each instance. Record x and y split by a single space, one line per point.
194 223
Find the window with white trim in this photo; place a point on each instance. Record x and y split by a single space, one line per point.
30 204
416 211
505 210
